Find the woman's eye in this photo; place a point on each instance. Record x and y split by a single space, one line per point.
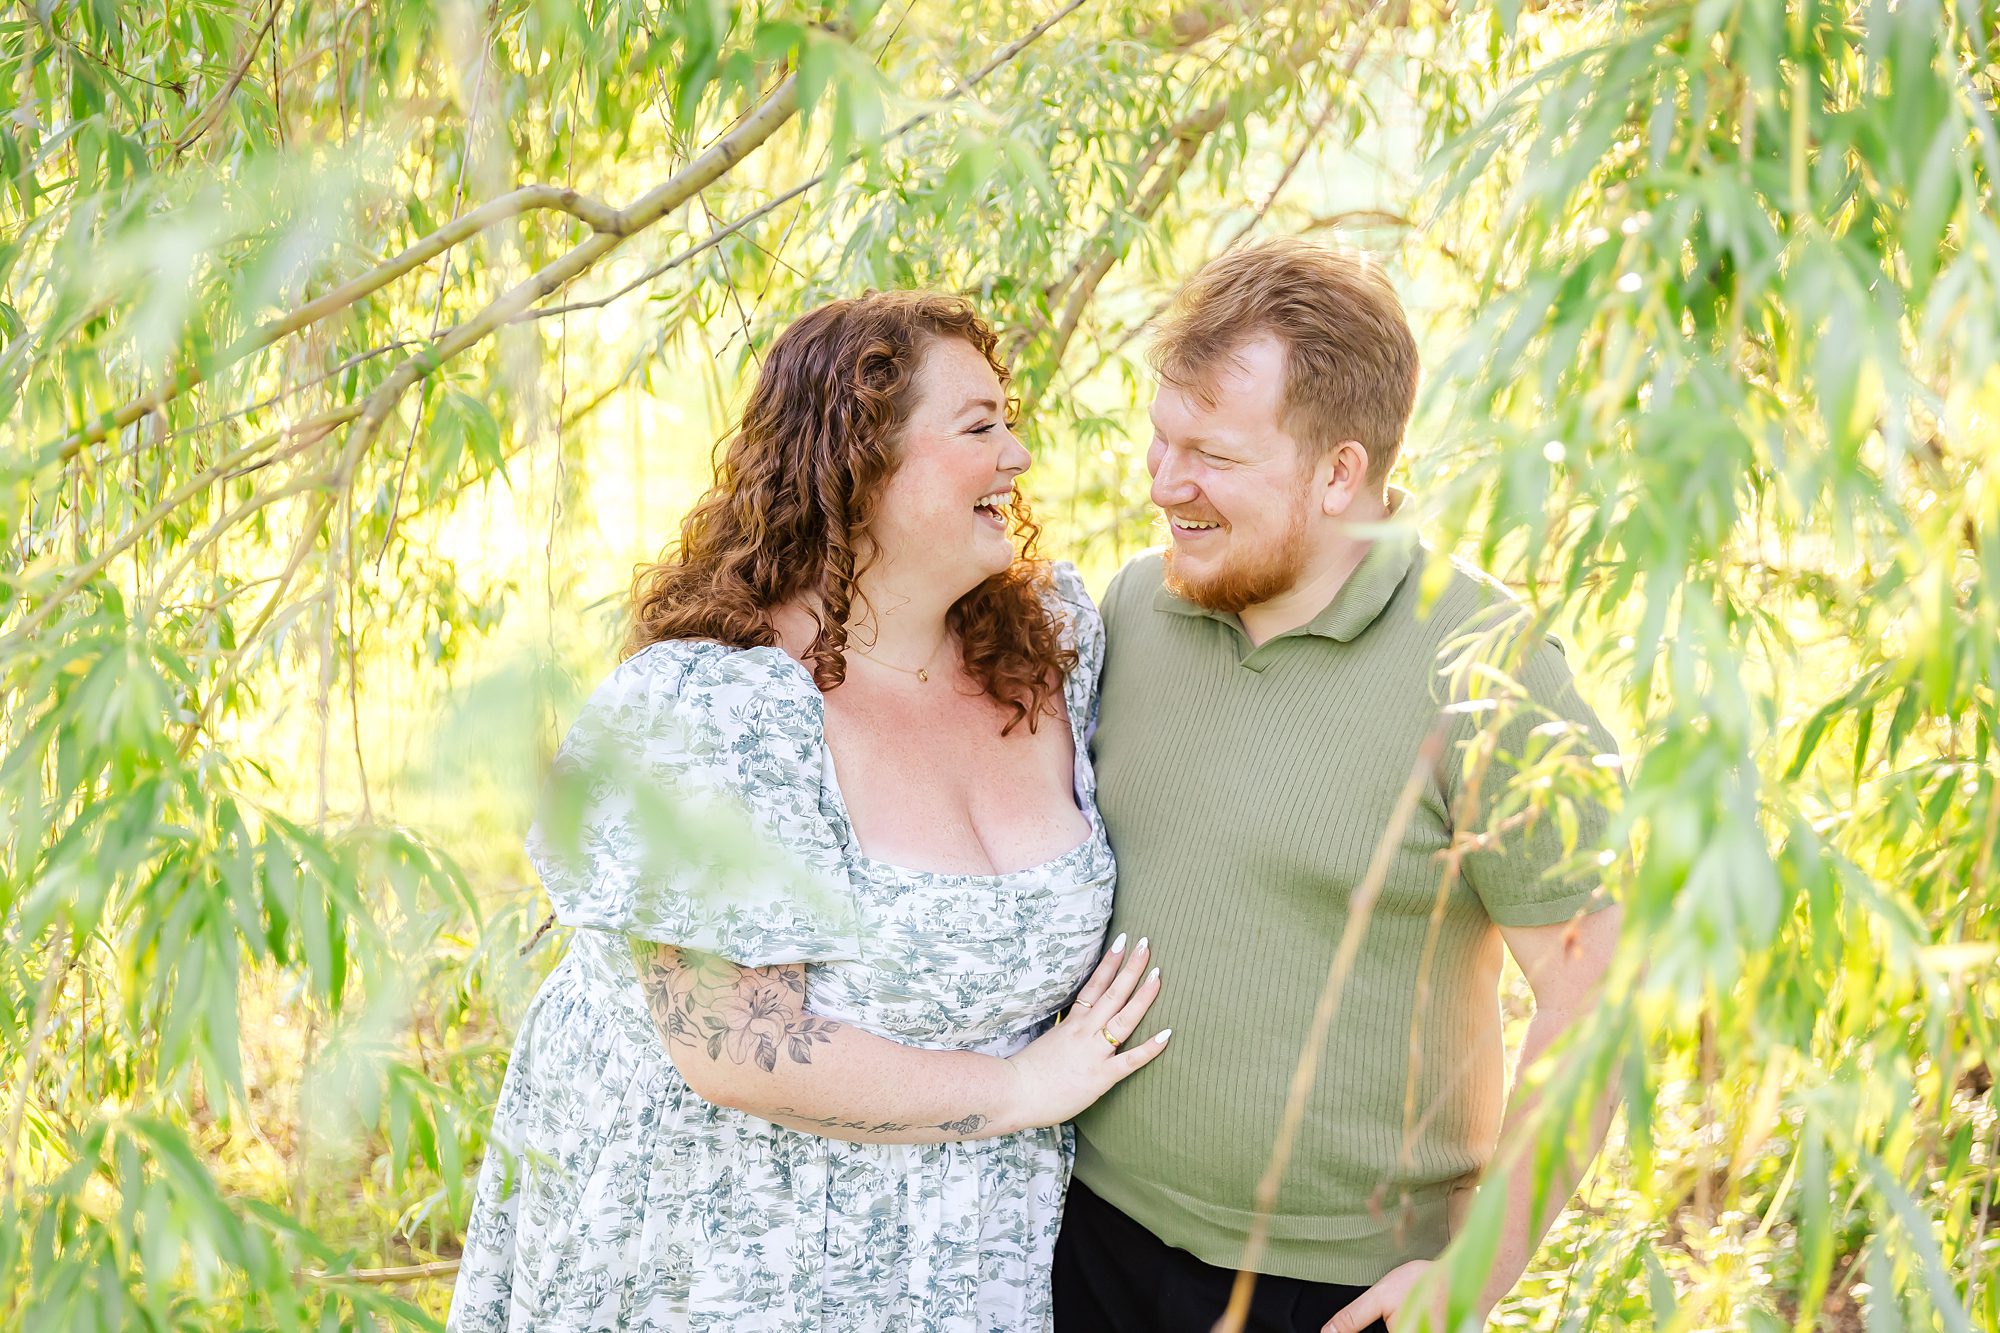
981 430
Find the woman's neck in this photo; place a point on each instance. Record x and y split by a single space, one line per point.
898 622
892 621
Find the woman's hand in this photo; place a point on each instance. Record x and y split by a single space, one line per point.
1076 1061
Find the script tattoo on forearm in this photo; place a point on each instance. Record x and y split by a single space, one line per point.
968 1125
744 1014
792 1115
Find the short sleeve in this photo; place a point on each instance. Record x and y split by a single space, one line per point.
684 808
1534 870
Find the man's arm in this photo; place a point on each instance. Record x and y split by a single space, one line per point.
1565 965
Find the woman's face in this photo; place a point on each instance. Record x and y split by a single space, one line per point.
943 516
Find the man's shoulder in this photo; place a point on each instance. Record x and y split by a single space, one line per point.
1466 601
1453 593
1132 587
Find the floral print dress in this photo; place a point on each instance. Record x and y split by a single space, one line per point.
616 1198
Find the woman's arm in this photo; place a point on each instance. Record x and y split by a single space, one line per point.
741 1038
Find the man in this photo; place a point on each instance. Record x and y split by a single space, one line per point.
1275 684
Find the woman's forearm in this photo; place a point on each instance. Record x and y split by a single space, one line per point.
741 1038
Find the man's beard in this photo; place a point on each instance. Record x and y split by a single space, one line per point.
1245 580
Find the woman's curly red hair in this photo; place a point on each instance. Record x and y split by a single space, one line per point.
795 490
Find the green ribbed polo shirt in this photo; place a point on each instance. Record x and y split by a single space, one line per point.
1245 789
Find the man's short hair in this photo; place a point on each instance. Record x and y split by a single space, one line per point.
1350 359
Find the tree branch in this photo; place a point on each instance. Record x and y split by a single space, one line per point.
212 113
220 471
598 216
758 214
760 124
1101 253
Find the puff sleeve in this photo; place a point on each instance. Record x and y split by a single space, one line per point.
684 808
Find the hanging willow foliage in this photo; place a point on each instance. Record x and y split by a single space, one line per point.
1712 297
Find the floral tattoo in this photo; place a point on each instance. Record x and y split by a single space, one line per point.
744 1013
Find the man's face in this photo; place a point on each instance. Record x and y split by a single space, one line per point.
1235 490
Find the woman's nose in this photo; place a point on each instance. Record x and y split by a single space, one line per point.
1015 458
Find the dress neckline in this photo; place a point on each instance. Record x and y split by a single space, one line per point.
830 784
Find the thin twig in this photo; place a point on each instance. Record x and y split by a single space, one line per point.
212 113
1070 296
1307 142
232 664
292 391
444 281
220 528
58 969
94 566
430 1272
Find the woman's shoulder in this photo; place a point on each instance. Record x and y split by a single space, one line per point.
743 700
672 668
1066 596
1082 628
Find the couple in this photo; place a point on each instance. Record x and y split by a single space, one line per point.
837 836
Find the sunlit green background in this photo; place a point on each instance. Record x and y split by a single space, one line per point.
1709 299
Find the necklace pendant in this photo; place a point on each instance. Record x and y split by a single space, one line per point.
923 675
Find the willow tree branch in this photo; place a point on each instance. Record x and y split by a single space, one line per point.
593 213
760 124
598 216
1107 252
754 128
152 518
1072 294
210 114
1197 126
762 211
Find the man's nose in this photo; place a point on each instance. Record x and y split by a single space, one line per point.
1169 488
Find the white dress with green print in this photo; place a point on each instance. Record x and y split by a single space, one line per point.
615 1197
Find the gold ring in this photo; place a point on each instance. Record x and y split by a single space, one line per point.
1106 1034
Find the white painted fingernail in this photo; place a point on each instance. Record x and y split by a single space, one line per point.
1153 975
1164 1034
1142 941
1118 945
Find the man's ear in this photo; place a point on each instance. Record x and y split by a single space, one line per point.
1344 471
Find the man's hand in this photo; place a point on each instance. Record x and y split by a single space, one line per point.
1386 1301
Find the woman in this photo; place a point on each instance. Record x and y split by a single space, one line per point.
829 836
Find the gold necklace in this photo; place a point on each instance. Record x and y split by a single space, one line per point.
922 673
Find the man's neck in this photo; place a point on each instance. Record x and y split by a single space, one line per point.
1318 584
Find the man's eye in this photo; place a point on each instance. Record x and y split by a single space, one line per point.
1214 460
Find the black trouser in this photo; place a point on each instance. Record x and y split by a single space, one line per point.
1114 1276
